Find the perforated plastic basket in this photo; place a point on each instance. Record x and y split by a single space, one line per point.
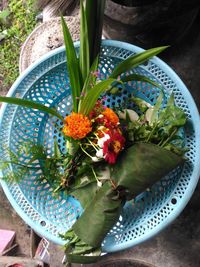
47 82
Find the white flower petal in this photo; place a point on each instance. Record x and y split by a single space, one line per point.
95 159
131 113
99 153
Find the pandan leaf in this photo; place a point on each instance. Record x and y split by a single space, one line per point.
90 80
135 60
84 58
30 104
95 15
72 65
138 77
141 165
92 96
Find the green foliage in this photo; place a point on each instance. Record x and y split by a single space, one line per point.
94 15
157 125
18 23
149 164
13 166
75 76
92 96
30 104
84 58
4 16
136 60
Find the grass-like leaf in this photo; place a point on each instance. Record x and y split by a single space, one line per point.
95 15
92 96
136 60
30 104
138 77
84 58
90 80
72 65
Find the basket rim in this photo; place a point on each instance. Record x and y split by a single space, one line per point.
196 123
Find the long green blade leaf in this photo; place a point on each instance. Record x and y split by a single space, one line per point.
92 96
135 60
30 104
72 65
95 15
90 80
84 59
138 77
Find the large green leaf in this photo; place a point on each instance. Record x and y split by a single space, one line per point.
138 168
99 216
30 104
92 96
82 259
141 165
72 65
84 58
135 60
85 194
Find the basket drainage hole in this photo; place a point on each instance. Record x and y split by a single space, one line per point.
174 201
43 223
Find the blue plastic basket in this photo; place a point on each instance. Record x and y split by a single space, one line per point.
47 82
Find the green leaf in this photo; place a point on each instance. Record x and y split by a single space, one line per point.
30 104
91 78
92 96
171 117
89 81
135 60
138 77
85 194
99 216
82 259
141 165
57 152
152 113
141 104
72 65
4 16
84 59
94 15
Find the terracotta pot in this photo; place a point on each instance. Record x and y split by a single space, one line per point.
159 23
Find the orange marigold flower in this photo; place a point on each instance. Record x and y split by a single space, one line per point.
77 126
111 116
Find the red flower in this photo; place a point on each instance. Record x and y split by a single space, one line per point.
113 146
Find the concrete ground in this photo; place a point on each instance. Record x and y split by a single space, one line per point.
179 244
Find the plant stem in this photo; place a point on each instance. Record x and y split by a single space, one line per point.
169 138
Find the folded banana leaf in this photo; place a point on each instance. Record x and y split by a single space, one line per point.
138 168
98 216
